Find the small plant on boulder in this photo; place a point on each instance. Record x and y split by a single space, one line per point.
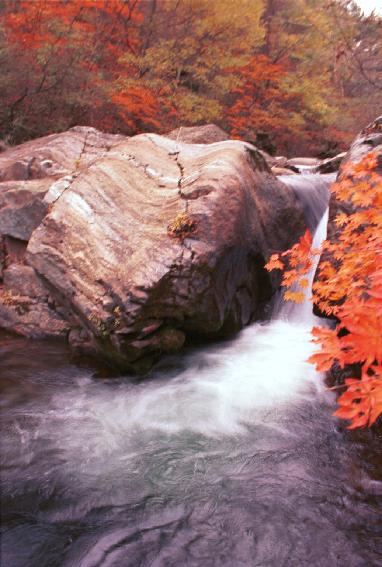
182 227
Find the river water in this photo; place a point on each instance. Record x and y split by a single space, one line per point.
225 457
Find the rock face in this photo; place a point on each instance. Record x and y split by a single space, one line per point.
22 207
210 134
150 243
26 174
369 139
55 155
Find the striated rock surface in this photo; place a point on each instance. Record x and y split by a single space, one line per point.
129 246
26 174
55 155
160 240
210 134
26 306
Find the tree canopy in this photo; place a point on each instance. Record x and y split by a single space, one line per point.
292 76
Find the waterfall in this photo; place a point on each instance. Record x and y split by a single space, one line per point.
226 457
313 193
302 313
223 388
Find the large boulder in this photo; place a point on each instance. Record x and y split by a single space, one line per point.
27 171
158 241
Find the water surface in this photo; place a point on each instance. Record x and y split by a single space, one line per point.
226 457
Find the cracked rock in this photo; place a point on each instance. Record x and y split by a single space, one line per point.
137 291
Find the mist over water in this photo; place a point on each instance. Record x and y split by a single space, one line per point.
225 457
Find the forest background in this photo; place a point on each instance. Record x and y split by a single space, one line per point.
292 76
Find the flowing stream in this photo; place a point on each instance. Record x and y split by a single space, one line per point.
226 457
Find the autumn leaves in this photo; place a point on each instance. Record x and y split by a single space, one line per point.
264 72
348 286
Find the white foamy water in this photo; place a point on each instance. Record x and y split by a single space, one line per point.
225 457
223 390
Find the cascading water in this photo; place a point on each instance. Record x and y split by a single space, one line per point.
312 192
228 457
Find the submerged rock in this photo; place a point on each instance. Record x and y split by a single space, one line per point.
153 242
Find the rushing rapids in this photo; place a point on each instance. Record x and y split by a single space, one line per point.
227 457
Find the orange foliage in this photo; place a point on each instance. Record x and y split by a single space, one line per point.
349 287
43 22
66 55
261 104
138 105
133 65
